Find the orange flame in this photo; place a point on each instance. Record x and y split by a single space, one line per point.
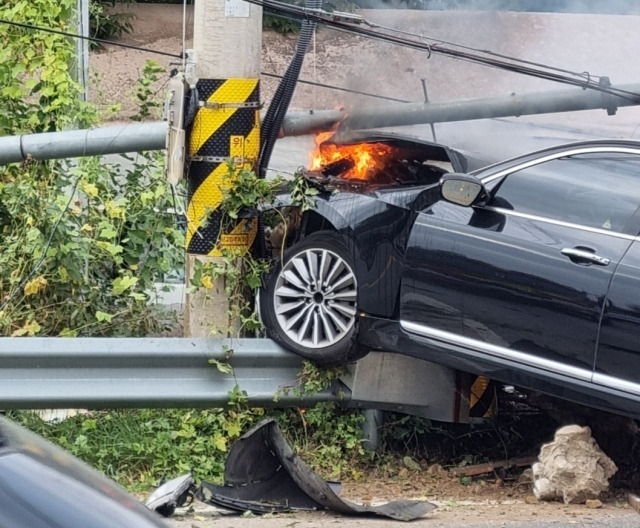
367 158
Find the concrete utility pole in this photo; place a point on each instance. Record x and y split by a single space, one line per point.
228 45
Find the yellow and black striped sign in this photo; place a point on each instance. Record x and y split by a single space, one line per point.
227 125
482 398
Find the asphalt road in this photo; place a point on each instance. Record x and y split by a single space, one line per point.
480 515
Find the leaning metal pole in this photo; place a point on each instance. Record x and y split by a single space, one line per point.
514 105
152 136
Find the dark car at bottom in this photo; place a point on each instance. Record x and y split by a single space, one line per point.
42 486
526 271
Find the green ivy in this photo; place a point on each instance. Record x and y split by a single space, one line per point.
37 90
105 24
82 242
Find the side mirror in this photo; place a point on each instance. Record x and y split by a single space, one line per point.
462 189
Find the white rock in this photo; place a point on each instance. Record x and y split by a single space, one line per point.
572 467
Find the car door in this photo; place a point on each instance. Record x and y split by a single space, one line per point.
618 358
524 278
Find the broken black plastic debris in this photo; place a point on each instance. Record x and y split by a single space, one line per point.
264 475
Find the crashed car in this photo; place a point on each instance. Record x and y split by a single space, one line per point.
42 486
526 271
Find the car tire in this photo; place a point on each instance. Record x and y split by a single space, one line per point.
309 301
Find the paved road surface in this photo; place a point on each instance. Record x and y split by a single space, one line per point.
546 515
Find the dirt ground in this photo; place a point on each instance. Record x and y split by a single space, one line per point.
576 42
475 505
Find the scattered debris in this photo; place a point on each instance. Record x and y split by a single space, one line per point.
490 467
264 475
572 467
171 495
593 504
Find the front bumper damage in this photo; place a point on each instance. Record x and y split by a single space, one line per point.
264 475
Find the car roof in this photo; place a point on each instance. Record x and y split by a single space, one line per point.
622 143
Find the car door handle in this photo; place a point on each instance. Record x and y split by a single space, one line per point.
585 255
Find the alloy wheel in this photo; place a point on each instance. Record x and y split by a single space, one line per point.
315 298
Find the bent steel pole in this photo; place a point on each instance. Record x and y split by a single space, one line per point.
152 136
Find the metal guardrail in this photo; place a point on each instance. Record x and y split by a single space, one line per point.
95 373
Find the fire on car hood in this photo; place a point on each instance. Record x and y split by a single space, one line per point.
365 161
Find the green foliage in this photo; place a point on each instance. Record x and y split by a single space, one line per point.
329 439
312 380
83 242
280 24
108 247
302 193
37 91
105 24
148 104
138 447
243 193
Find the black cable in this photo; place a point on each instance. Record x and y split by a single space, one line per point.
82 37
471 48
278 108
280 101
340 89
325 18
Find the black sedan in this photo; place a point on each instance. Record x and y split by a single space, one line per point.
526 271
41 486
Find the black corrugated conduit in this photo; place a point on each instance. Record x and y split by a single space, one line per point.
274 117
277 109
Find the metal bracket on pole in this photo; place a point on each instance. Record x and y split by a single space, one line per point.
174 114
607 100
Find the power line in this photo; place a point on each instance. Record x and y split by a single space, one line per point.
492 59
346 23
341 89
92 39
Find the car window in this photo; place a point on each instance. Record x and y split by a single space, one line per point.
600 190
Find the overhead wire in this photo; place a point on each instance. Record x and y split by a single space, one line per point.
504 62
83 37
340 89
